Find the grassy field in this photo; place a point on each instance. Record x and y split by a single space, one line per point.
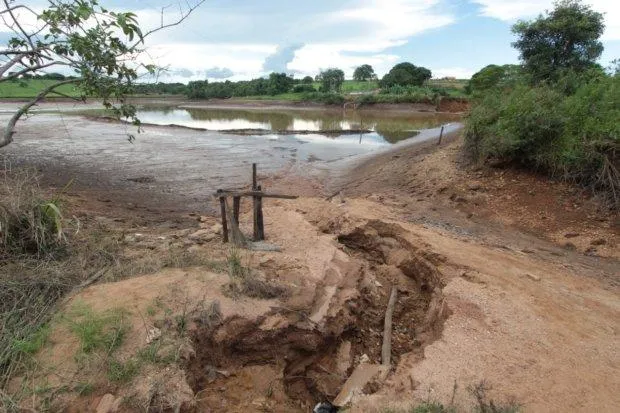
450 84
30 88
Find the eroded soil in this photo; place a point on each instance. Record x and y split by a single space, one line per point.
488 289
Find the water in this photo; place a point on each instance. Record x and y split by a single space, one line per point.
330 127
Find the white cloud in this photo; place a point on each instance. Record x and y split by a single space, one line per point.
511 10
245 60
310 59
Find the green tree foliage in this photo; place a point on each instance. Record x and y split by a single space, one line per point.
98 45
406 74
331 80
364 73
308 80
276 84
561 116
493 76
565 38
279 83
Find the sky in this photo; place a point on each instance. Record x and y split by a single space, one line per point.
244 39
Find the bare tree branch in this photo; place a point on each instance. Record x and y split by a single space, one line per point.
10 127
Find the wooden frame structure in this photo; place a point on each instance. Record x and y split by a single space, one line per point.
232 216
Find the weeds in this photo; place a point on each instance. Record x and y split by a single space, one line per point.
29 224
122 372
244 281
98 331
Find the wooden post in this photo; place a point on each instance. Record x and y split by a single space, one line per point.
260 227
237 236
386 348
224 224
254 182
236 206
440 135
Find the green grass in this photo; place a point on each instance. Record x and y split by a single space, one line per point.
449 84
104 331
31 87
123 372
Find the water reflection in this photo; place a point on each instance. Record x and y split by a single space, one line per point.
390 128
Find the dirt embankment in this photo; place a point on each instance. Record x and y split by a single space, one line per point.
489 288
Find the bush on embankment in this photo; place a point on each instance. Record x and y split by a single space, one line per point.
573 136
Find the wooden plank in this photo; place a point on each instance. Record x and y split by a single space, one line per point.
224 224
254 193
236 207
386 348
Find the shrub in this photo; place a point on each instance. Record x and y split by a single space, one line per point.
303 88
29 224
573 137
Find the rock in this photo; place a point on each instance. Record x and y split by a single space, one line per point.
355 384
597 242
570 246
343 359
533 277
571 235
364 359
186 352
474 186
204 235
152 335
109 404
217 229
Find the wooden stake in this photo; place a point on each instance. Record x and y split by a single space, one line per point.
440 135
254 182
259 218
386 348
237 236
236 206
224 224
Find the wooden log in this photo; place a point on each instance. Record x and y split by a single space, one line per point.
224 224
255 193
259 218
386 348
236 207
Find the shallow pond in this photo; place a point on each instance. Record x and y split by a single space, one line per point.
362 127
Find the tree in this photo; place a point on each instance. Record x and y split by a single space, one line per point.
364 73
331 80
307 80
280 83
492 76
100 46
564 39
405 74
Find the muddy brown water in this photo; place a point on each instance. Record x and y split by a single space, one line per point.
384 127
